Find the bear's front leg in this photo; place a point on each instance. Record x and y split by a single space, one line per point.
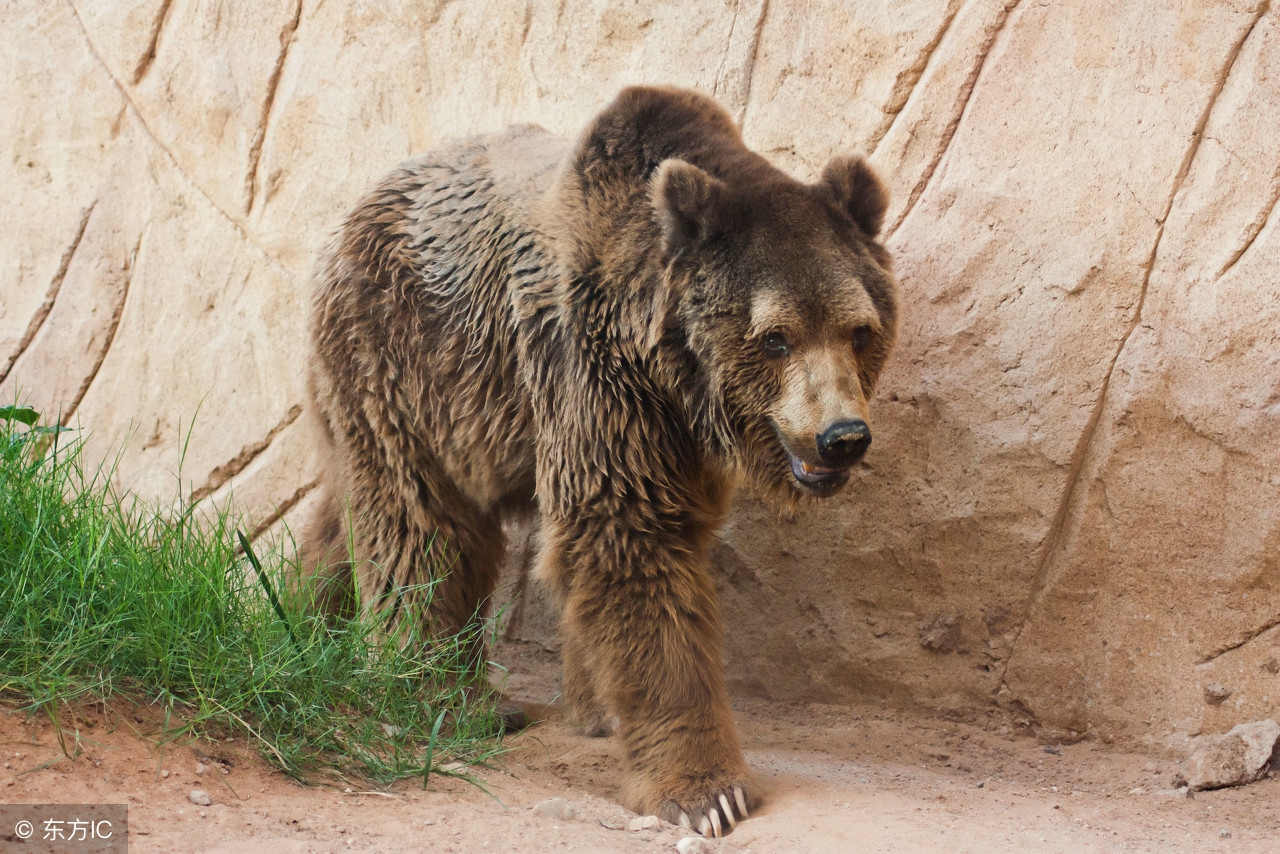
647 629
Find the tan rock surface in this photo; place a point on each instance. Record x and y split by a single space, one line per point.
1073 503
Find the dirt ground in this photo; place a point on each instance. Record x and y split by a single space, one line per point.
834 779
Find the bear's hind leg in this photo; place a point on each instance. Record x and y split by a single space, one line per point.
585 709
425 552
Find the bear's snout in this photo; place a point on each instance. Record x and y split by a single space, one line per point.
844 442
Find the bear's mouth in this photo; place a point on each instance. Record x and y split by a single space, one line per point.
817 478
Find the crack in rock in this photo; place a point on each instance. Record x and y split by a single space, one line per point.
742 77
1046 577
1256 227
750 72
144 63
282 508
904 88
172 158
116 314
51 296
247 455
1234 645
718 86
963 99
287 37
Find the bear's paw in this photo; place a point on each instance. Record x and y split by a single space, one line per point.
712 813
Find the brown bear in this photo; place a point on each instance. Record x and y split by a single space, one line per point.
614 332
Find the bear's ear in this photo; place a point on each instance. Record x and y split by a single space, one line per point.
858 191
688 203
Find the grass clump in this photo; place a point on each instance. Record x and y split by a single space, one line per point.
104 597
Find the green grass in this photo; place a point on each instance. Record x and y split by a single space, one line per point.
107 598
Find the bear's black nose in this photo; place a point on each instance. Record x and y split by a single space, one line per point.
844 442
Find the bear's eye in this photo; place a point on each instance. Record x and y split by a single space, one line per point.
775 344
861 338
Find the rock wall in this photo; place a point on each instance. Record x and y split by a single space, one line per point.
1072 507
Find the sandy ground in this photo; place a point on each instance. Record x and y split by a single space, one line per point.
834 779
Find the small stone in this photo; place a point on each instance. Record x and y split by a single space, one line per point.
165 773
11 781
1180 792
340 829
942 633
1215 693
695 845
561 810
1225 834
646 822
201 769
200 797
1239 757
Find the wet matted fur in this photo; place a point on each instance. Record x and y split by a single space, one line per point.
612 333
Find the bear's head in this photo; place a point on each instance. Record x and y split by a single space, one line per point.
765 304
788 305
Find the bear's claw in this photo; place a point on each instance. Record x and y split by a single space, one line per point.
720 819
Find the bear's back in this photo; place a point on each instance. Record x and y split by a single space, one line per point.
414 313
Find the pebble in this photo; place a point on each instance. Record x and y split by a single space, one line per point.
561 810
695 845
201 768
165 773
1215 693
200 797
646 822
1180 792
1239 757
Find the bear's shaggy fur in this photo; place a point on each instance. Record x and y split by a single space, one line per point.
614 332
